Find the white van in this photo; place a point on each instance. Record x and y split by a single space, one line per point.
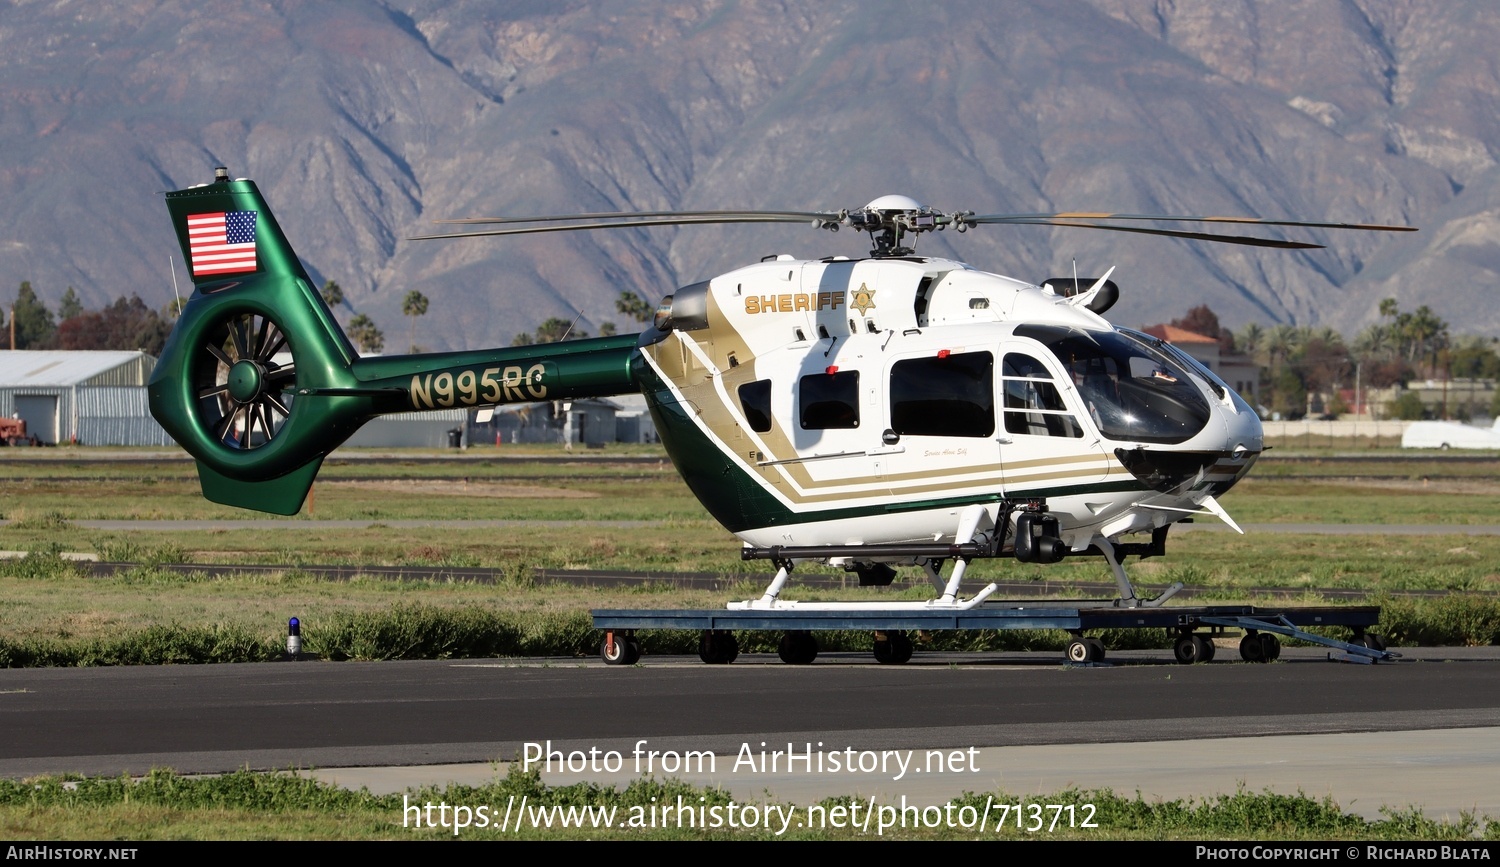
1450 435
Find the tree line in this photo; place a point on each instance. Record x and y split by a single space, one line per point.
362 330
128 323
1403 346
629 304
367 337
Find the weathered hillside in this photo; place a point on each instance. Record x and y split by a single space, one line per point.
363 122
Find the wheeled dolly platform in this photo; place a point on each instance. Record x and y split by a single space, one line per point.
1195 627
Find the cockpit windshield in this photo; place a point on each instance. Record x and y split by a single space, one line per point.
1133 391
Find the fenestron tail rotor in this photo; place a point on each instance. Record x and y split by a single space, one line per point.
244 377
889 219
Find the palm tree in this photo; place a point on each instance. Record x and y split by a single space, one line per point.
553 330
414 305
1329 337
1251 339
634 306
1280 341
1373 343
1428 335
364 333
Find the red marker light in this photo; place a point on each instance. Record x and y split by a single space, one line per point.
832 369
944 353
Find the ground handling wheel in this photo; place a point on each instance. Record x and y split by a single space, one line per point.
717 647
797 648
1260 647
1370 640
893 649
1193 648
620 649
1081 650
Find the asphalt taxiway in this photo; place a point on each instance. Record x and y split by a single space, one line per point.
1424 731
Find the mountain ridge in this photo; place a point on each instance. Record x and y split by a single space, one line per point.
364 122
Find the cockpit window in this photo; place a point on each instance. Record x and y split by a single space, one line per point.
1033 406
1214 382
1133 391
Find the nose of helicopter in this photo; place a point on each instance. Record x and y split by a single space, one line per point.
1244 436
1213 460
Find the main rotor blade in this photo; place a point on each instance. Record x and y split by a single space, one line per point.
624 224
1084 215
623 215
1171 233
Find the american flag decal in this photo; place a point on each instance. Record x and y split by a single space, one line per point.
222 243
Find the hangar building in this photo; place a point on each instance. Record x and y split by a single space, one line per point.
93 397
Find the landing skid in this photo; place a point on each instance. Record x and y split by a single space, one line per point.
976 535
948 589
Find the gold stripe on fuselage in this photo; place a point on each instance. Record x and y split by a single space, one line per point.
712 400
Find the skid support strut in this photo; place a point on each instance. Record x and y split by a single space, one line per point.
968 524
1128 599
783 572
932 568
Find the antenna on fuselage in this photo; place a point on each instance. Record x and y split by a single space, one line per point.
172 269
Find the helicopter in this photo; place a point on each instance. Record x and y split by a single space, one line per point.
877 412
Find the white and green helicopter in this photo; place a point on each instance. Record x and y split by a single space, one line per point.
872 412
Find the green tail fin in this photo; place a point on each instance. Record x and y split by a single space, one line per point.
258 383
252 342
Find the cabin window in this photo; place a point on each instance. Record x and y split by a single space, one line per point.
755 400
1134 390
1033 406
827 401
949 396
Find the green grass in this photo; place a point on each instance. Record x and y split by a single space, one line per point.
244 805
149 617
172 644
51 613
1414 466
1279 500
587 486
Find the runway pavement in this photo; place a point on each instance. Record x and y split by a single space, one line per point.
1423 731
